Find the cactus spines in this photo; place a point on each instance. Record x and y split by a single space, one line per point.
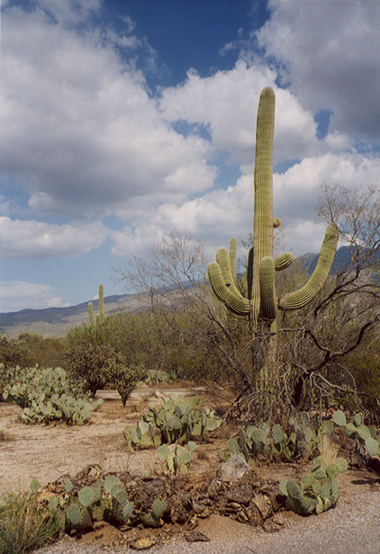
261 303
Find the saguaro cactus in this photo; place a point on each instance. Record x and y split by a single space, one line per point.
100 315
261 303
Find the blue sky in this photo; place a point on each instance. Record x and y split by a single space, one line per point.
123 120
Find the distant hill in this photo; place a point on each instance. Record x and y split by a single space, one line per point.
56 322
342 260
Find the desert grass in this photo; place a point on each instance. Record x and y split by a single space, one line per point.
25 524
328 450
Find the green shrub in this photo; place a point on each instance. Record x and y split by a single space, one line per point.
123 377
87 363
14 352
100 366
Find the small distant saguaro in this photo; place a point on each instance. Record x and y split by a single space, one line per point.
100 315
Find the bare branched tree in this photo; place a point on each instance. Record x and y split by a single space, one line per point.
171 281
346 312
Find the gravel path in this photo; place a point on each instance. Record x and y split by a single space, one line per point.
353 527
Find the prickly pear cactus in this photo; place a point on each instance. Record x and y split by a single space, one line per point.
366 437
177 458
176 420
154 518
318 491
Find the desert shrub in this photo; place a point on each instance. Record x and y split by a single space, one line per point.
44 351
28 350
25 524
135 336
88 364
14 352
123 377
100 366
153 377
364 367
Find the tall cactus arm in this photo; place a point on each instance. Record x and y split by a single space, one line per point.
223 259
303 296
101 302
263 221
237 305
267 291
233 258
91 315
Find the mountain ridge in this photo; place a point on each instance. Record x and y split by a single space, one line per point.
56 322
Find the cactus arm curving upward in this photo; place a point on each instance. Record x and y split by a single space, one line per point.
284 261
301 297
223 259
223 279
237 305
233 256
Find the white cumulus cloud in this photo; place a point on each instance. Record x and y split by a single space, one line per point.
33 239
328 54
78 125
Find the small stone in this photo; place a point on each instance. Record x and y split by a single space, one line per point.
233 469
196 536
274 523
278 519
143 544
264 504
